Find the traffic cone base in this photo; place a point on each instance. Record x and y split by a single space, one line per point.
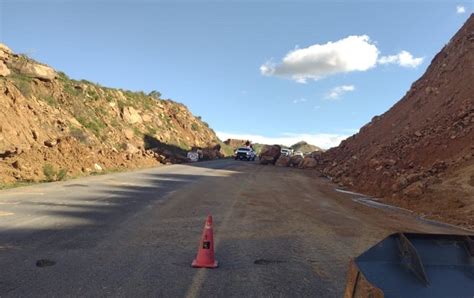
196 264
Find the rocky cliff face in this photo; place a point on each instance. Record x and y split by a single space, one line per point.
419 154
50 124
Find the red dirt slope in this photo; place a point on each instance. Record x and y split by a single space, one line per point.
419 154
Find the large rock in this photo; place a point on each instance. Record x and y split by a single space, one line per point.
414 190
270 154
4 48
131 116
130 148
34 70
308 163
283 161
265 160
4 71
295 160
318 154
209 154
147 118
129 134
5 52
212 152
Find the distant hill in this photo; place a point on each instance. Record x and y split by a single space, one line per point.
236 143
305 147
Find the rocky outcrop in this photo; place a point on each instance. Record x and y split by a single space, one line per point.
4 71
31 69
4 49
23 65
5 53
131 116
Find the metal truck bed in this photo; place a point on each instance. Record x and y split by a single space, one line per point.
414 265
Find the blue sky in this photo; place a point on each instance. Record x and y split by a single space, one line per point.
226 61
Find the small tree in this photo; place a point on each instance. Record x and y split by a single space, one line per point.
155 94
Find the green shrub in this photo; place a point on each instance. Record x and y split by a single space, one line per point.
121 105
61 175
23 83
151 130
71 90
94 124
49 99
48 172
115 123
93 95
137 132
122 146
86 82
51 175
155 94
79 134
63 77
194 127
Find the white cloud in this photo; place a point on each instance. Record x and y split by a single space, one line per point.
336 92
299 100
353 53
322 140
460 9
404 59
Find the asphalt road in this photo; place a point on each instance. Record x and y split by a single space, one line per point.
278 232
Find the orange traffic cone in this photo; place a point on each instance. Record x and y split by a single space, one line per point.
205 255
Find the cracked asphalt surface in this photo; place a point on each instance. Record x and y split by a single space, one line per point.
278 232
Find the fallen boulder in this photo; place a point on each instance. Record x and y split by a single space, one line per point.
270 154
295 160
283 161
265 160
308 163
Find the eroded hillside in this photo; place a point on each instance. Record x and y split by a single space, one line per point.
52 126
419 154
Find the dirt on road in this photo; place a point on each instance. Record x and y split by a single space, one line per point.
278 231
